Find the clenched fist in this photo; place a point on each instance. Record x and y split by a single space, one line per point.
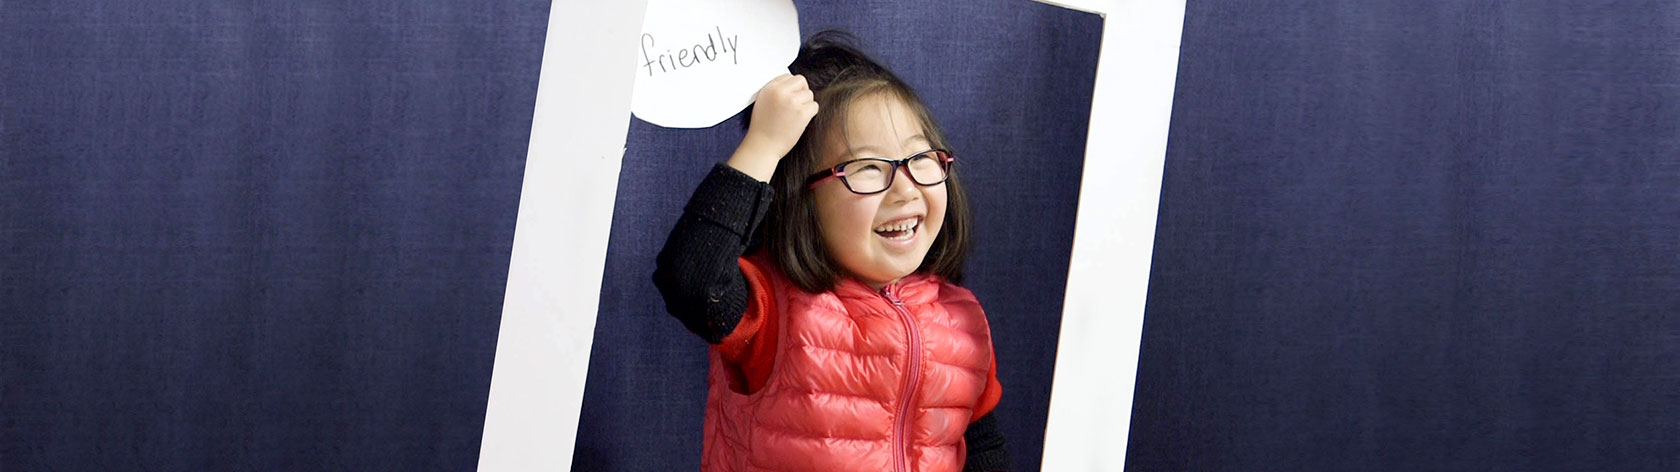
780 113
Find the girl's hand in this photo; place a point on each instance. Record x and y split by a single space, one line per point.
780 113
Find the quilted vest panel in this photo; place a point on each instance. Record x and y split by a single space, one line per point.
862 381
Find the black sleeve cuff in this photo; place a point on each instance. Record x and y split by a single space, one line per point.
731 199
986 451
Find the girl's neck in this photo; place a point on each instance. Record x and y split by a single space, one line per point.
878 286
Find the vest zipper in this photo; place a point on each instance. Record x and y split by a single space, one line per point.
901 454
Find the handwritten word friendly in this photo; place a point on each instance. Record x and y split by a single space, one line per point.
698 54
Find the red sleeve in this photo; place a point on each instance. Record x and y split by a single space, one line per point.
749 352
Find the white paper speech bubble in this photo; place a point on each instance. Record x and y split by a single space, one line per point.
702 61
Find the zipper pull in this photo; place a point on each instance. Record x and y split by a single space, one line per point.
887 292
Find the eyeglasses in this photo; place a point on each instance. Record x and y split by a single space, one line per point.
873 175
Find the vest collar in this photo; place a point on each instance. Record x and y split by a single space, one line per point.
916 288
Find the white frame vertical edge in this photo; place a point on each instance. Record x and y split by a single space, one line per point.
1114 238
578 127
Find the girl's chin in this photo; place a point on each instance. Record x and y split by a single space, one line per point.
886 272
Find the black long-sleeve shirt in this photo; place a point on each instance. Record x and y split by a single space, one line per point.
703 286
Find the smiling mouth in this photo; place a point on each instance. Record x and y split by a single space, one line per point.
899 230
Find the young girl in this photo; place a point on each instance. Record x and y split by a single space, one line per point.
843 342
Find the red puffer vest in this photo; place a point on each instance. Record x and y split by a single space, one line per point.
849 379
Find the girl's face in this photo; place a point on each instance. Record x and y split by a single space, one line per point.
859 230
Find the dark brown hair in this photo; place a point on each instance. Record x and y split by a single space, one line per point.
839 74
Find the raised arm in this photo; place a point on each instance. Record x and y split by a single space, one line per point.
696 272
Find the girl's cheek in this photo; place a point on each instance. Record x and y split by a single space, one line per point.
846 219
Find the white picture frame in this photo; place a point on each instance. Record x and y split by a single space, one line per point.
579 125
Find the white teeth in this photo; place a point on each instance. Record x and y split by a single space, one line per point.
905 225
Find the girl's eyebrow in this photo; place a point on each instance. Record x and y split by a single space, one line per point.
859 151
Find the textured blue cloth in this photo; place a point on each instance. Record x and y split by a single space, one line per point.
256 235
1418 236
1393 235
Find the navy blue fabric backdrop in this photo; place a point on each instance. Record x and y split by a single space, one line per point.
1393 235
1418 236
1009 80
256 235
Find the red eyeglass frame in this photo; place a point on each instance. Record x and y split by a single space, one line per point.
945 159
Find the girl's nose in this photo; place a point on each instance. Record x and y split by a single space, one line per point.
903 187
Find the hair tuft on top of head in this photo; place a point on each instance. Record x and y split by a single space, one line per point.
834 56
